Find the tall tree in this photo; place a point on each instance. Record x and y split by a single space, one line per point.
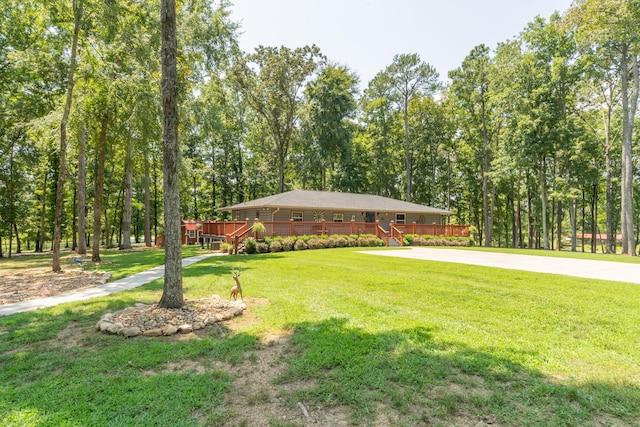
331 104
471 87
409 76
613 24
271 80
172 295
77 22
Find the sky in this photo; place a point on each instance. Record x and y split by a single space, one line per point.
365 34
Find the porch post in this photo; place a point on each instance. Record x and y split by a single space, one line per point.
353 226
291 227
323 221
414 227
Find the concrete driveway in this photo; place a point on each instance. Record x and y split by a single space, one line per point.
602 270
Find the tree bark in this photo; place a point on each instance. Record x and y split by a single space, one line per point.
406 147
128 196
629 105
82 193
147 201
544 199
43 215
172 295
57 224
18 244
99 183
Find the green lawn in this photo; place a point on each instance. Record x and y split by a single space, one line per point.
431 343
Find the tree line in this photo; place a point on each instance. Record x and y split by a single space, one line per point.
530 141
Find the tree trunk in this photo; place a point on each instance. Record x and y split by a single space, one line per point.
128 196
172 295
544 199
559 226
74 226
573 213
82 193
99 183
147 201
57 224
629 105
519 213
43 215
18 244
594 215
407 148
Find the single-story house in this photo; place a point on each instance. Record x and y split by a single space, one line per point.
335 207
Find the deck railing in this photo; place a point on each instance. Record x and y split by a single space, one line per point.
397 234
221 228
431 229
236 231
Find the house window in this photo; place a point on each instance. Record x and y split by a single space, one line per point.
338 217
192 234
296 216
401 218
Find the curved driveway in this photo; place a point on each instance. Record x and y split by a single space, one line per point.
602 270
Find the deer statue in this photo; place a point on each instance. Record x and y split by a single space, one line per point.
237 289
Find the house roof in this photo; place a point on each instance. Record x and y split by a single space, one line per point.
191 224
306 199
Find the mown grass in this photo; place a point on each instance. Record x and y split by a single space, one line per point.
437 343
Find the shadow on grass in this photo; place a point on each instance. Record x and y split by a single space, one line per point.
89 378
428 381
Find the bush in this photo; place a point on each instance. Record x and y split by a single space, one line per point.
352 242
250 245
341 242
300 245
313 244
263 248
332 242
275 246
288 244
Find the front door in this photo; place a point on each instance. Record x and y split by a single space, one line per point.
370 217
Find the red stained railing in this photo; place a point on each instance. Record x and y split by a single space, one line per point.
432 229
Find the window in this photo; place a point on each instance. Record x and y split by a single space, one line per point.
401 218
338 217
296 216
192 234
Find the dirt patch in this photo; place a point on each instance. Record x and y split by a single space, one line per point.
32 283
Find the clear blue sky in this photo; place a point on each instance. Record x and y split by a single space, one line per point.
366 34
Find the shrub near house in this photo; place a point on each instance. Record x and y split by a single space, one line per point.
426 240
300 243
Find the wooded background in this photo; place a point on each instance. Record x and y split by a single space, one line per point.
531 141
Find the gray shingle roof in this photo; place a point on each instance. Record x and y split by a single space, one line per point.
307 199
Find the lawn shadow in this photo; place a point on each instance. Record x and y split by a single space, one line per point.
424 380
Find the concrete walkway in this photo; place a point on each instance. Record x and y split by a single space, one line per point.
602 270
125 284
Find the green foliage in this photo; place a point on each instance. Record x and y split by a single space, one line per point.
427 240
250 245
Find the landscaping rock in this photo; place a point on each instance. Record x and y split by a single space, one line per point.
131 332
153 332
199 325
104 326
185 329
115 328
150 320
169 330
